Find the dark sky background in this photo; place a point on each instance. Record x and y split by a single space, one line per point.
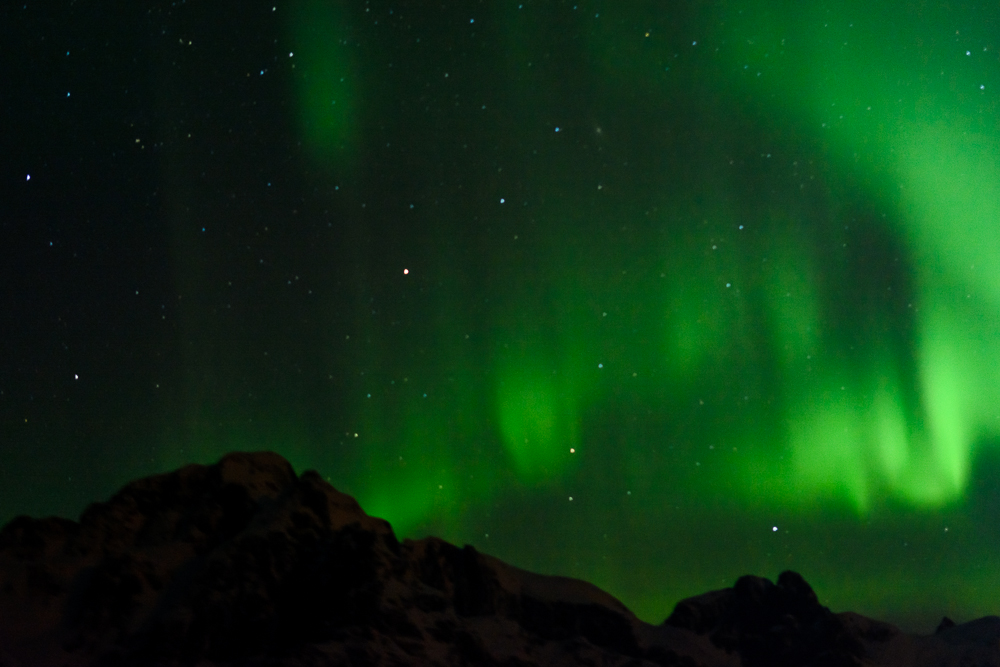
651 294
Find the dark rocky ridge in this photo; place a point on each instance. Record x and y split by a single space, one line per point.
244 563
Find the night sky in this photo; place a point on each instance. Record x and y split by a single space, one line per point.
653 294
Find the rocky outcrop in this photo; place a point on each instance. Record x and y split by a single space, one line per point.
246 563
783 625
774 625
243 562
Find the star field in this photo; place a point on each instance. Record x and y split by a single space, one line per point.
650 296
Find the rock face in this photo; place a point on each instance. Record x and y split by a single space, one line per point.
245 563
772 625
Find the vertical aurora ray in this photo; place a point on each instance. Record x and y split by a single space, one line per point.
535 421
652 294
951 193
421 449
925 135
756 294
325 80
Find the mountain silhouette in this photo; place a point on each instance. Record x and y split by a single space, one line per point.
246 563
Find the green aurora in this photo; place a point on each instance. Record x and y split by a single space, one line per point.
651 296
765 301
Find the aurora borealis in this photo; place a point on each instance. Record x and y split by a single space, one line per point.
644 294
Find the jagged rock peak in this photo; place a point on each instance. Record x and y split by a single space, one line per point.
245 563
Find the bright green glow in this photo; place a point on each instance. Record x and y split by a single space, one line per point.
528 423
710 393
947 404
836 69
889 430
408 464
405 498
536 421
952 176
827 456
324 78
952 195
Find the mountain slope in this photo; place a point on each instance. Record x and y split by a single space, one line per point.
245 563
